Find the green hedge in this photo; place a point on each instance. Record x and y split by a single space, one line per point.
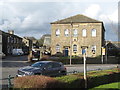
36 82
79 60
94 78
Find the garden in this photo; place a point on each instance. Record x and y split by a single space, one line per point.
95 79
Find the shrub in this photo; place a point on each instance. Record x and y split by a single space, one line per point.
37 81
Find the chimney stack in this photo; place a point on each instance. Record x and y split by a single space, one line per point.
11 31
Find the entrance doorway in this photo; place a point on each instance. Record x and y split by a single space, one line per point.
66 51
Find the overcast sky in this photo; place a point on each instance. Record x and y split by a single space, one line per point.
33 17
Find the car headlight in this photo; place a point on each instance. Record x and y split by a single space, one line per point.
29 73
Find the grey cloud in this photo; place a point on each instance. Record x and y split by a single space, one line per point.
33 18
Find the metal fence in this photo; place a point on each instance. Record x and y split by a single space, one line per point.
9 80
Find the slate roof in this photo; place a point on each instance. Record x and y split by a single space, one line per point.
77 19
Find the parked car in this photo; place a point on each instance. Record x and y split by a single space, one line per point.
17 52
47 68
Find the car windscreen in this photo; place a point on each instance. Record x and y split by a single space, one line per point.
38 64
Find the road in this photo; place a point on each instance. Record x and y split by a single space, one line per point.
10 65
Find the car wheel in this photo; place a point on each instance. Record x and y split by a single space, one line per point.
63 73
37 74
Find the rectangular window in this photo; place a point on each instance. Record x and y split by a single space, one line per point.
93 32
74 48
57 32
57 48
75 33
66 32
84 32
93 48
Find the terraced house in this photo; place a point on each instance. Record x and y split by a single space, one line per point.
74 34
10 42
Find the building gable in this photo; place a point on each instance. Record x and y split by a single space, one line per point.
77 19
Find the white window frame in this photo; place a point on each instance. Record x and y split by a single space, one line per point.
93 48
57 32
75 32
94 33
84 32
57 48
74 48
66 32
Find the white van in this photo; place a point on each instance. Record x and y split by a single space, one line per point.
17 52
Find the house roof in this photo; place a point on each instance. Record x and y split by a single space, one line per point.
2 32
115 43
77 19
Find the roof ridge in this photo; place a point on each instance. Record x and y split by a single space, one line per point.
76 18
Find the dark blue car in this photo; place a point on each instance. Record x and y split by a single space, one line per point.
48 68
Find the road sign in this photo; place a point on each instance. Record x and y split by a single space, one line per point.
103 51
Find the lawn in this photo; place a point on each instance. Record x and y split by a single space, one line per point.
114 85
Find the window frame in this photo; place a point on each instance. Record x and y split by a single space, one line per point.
66 31
57 48
93 48
84 32
75 32
94 32
74 48
57 32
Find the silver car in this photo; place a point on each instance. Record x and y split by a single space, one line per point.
48 68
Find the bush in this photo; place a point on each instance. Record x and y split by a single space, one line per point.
37 81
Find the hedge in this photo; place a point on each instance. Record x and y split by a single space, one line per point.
94 78
37 82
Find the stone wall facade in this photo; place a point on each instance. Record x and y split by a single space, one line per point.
87 42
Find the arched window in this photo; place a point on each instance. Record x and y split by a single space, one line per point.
84 32
75 33
66 32
74 48
93 32
57 48
93 48
57 32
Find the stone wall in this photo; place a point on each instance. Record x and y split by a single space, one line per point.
80 41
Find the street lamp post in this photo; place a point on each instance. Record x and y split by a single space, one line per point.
71 43
70 47
106 52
